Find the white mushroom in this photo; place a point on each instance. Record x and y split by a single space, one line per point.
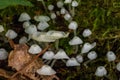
48 55
75 41
46 70
31 29
41 18
23 40
50 7
24 17
118 66
72 62
101 71
42 25
111 56
87 47
3 54
60 4
1 28
73 25
92 55
67 1
86 33
34 49
79 58
67 17
11 34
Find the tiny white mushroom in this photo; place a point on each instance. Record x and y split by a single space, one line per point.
34 49
60 4
1 28
11 34
23 40
118 66
46 70
86 33
61 54
24 17
101 71
48 55
92 55
73 25
87 47
42 25
72 62
26 24
63 10
41 18
53 15
111 56
67 17
50 7
74 3
67 1
31 29
75 41
3 54
79 58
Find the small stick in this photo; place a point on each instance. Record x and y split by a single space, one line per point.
36 57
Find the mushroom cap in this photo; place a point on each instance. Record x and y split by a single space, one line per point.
61 54
75 41
11 34
60 4
87 47
35 49
86 33
50 7
48 55
41 18
53 15
111 56
79 58
74 3
46 70
3 54
73 25
42 25
101 71
92 55
72 62
31 29
63 10
23 40
118 66
24 17
1 28
26 24
67 16
67 1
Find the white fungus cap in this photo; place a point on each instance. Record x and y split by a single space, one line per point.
11 34
67 1
75 41
1 28
72 62
118 66
31 29
67 16
60 4
3 54
61 54
35 49
63 10
23 40
41 18
42 25
50 7
48 55
74 3
73 25
101 71
92 55
86 33
87 47
111 56
53 15
79 58
24 17
26 24
46 70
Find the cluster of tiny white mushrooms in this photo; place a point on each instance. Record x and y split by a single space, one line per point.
37 33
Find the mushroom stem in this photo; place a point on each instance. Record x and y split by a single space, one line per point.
85 63
53 62
76 49
44 6
73 11
64 61
57 44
